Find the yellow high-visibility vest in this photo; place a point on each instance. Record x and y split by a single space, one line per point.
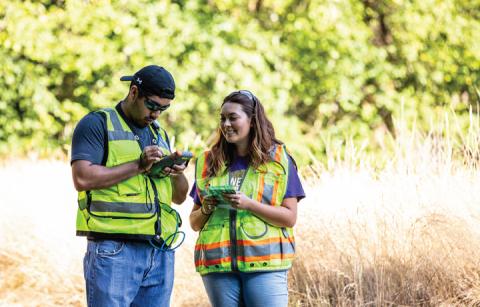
234 240
138 208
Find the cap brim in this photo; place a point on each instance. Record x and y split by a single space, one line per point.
126 78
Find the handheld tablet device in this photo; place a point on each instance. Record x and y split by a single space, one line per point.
218 191
178 157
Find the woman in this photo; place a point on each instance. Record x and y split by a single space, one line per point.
246 246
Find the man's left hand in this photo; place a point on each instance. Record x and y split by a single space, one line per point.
175 170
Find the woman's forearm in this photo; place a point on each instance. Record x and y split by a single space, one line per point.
197 218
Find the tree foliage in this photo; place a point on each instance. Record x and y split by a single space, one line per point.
322 68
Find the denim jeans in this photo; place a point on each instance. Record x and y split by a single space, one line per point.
247 289
119 273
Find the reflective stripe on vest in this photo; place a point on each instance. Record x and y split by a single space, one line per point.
260 246
127 209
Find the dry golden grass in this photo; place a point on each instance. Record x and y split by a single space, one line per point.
406 234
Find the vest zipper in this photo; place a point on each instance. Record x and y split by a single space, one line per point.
233 228
233 239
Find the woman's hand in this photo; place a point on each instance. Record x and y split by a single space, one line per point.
239 201
209 204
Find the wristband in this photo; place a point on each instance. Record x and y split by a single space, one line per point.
201 209
141 163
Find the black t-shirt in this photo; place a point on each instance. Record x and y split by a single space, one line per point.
90 140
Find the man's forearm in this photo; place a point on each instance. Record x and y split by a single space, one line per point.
179 189
88 176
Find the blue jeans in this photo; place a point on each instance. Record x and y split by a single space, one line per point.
247 289
119 273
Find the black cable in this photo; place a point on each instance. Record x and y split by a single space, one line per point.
147 192
158 177
147 196
141 163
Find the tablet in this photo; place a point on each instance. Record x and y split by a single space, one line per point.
217 191
178 157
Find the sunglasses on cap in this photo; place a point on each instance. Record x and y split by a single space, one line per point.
150 104
250 95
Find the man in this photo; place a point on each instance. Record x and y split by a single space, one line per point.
126 214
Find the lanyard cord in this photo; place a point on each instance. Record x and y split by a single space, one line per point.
164 248
148 199
172 236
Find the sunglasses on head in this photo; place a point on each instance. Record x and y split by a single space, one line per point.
250 95
150 104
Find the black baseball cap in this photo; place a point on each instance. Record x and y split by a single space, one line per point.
155 80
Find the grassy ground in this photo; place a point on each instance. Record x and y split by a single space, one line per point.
405 235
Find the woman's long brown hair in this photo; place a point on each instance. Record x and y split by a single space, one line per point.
262 137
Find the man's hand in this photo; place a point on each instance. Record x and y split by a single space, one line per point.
175 170
150 155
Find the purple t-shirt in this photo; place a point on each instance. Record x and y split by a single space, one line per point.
237 173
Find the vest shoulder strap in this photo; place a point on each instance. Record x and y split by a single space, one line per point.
160 133
279 154
114 121
276 152
201 165
291 158
106 114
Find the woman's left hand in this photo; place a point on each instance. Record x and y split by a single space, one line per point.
239 201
